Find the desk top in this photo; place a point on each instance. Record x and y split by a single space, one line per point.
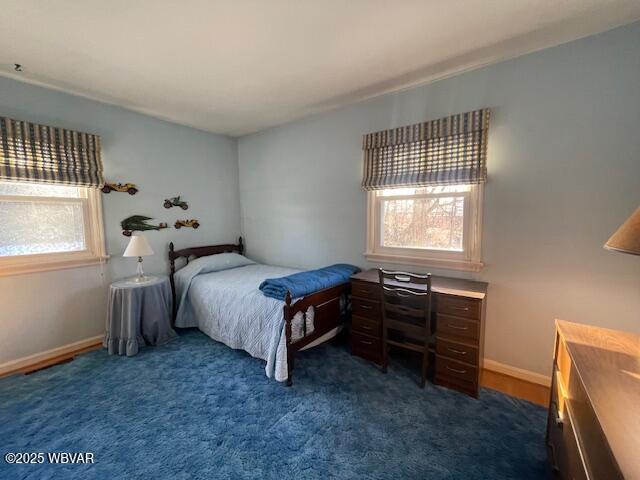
444 285
608 364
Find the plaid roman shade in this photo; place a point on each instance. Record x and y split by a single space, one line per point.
447 151
30 152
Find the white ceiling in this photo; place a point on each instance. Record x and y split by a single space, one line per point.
239 66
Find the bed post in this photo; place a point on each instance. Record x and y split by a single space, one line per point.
172 270
240 246
290 351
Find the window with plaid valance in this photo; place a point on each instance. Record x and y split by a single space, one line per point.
447 151
30 152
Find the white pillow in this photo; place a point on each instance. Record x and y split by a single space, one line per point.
214 263
211 263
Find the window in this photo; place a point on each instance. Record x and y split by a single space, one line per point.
47 226
435 226
425 186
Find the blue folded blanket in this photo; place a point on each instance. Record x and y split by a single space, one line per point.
304 283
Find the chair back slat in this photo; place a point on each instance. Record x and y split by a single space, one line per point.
420 279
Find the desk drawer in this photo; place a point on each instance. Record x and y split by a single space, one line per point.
456 375
446 367
365 290
366 308
457 351
366 346
457 327
366 326
459 306
564 453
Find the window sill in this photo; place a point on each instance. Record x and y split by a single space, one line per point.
447 264
39 265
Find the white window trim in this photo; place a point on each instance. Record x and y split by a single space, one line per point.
94 254
468 261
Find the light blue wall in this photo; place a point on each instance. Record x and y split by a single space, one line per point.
564 167
46 310
564 172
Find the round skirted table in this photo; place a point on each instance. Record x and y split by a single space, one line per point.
138 314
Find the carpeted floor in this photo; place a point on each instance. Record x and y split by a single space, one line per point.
197 409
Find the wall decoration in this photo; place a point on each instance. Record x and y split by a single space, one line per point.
193 223
175 202
138 223
130 188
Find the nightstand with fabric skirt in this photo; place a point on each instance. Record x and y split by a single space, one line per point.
138 314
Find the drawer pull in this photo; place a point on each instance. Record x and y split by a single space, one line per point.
554 464
464 309
366 342
456 370
556 415
458 352
364 327
366 307
457 327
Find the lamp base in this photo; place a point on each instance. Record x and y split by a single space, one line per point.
142 279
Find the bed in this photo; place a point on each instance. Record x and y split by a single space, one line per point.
228 307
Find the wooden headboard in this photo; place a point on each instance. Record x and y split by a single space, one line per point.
195 252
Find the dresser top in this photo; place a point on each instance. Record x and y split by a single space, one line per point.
445 285
608 364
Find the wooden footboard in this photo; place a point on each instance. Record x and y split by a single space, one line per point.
327 316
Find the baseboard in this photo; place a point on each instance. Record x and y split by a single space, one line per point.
31 361
520 373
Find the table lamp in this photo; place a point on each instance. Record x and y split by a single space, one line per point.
138 247
627 238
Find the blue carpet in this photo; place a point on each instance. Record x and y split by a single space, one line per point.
197 409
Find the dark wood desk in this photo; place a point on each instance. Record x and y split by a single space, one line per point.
593 430
459 310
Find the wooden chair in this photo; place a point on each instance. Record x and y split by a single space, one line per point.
406 315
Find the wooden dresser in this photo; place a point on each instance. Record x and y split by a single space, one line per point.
458 322
593 429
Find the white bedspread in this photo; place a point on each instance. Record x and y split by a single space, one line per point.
229 308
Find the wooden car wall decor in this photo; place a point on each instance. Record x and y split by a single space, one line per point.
130 188
193 223
138 223
175 202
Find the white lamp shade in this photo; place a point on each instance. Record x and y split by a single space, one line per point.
138 247
627 238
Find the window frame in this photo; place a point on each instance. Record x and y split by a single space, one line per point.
93 227
468 260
